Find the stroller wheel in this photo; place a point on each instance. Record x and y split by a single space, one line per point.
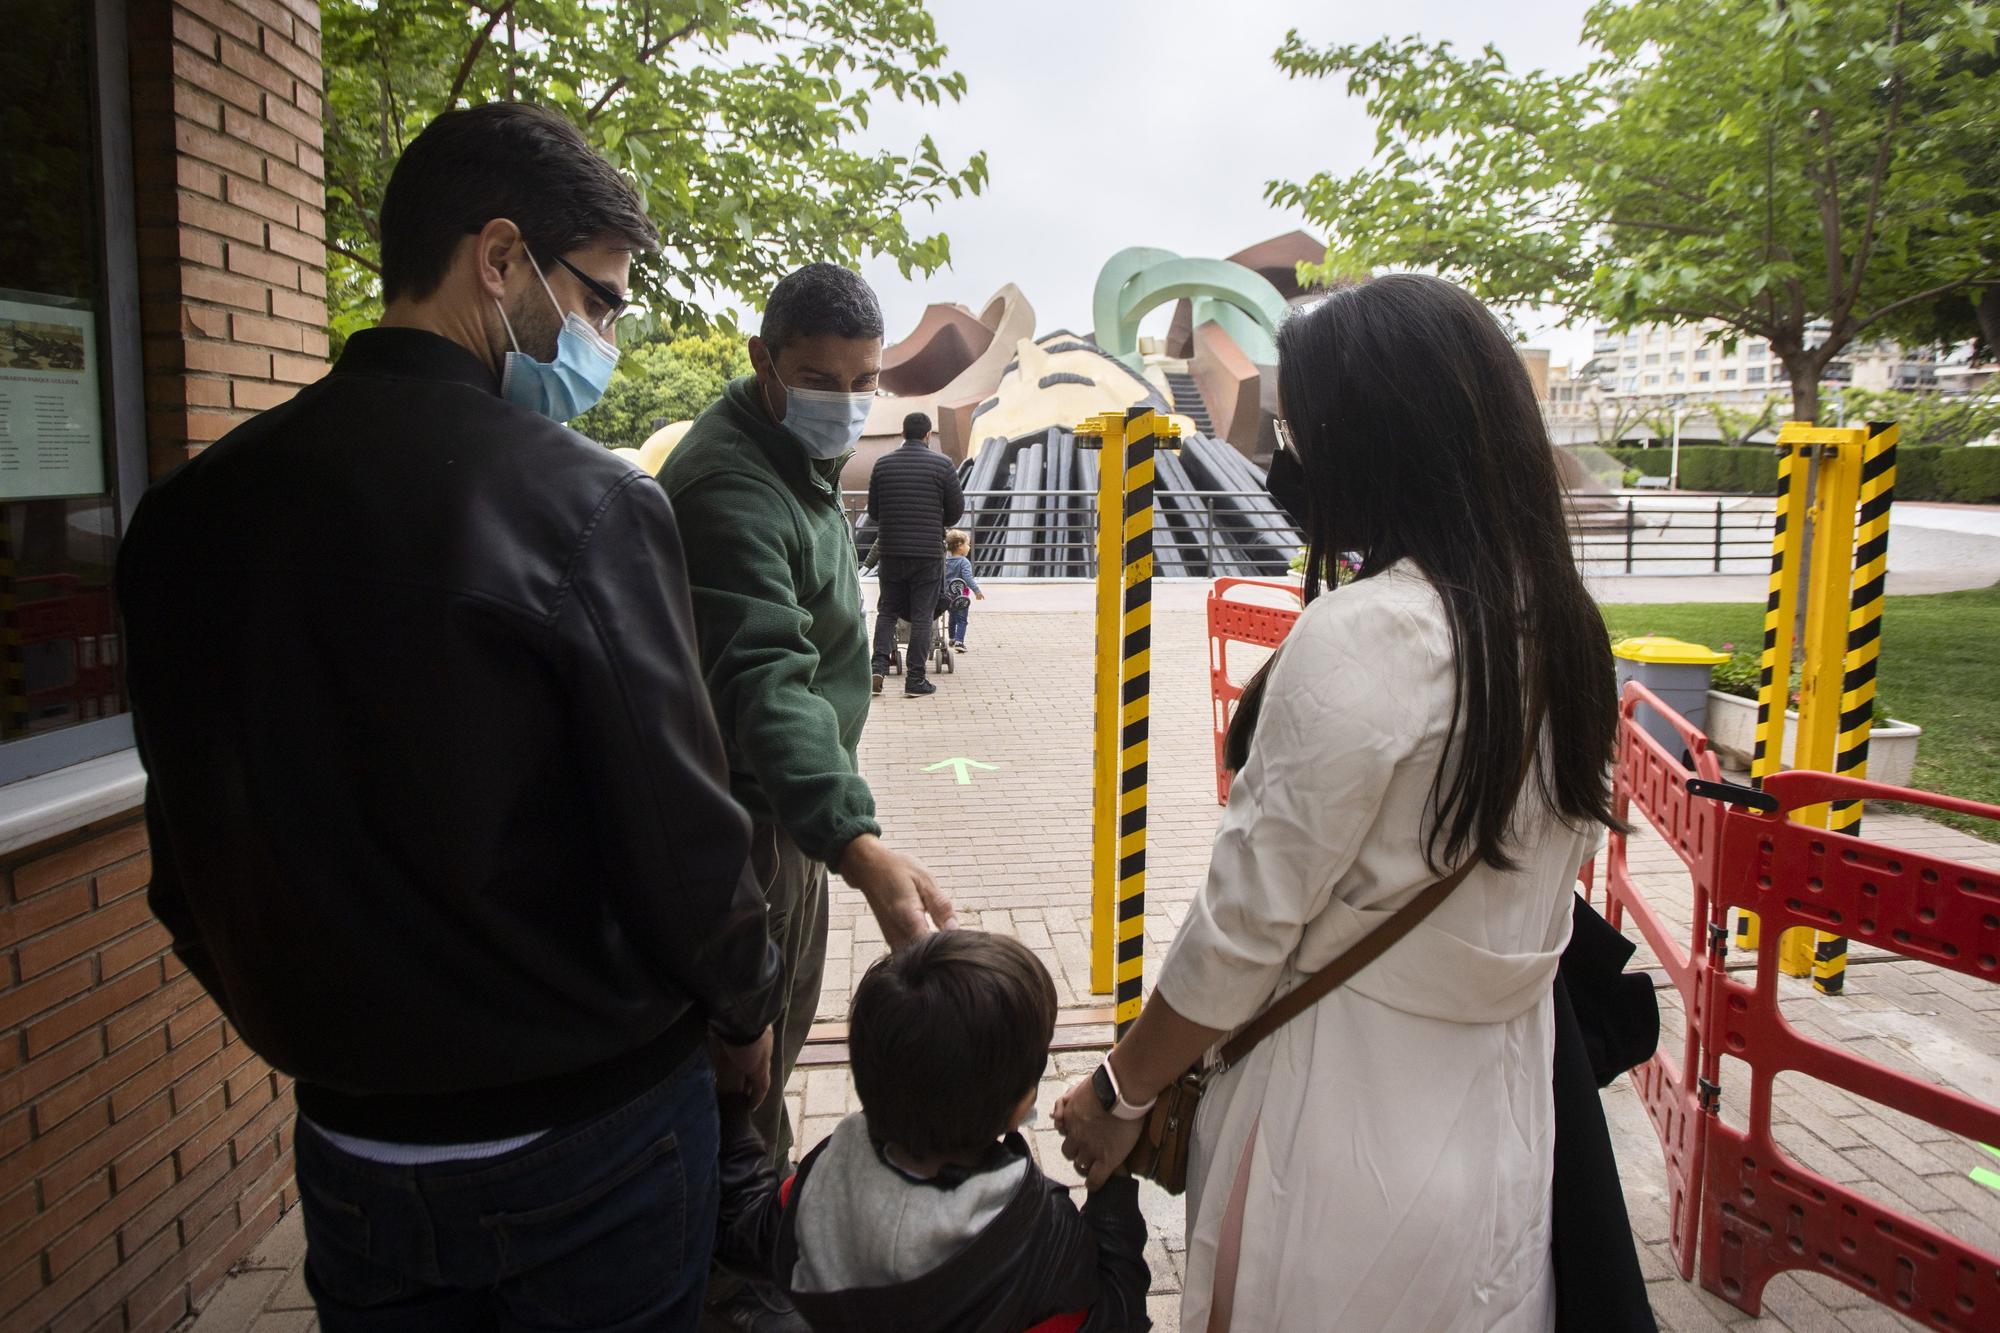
896 662
946 662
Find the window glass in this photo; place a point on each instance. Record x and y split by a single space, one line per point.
58 515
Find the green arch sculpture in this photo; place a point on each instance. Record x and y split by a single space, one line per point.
1136 281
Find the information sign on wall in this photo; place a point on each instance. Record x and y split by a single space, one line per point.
51 433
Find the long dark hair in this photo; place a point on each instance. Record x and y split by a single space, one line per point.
1421 440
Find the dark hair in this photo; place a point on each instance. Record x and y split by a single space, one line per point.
916 426
946 1036
817 299
507 160
1421 440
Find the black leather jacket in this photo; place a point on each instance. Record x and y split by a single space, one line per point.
439 812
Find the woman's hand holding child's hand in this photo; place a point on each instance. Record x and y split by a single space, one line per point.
1096 1142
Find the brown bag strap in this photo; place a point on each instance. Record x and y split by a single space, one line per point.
1338 972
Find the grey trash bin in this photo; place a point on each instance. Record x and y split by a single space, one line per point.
1676 671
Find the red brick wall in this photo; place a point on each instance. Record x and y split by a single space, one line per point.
143 1147
231 210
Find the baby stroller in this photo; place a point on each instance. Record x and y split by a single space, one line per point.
954 596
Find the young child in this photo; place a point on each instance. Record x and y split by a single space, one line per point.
923 1211
958 565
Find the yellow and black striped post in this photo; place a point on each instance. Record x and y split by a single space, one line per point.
1774 666
1857 686
1128 446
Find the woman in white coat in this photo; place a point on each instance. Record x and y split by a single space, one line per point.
1383 1162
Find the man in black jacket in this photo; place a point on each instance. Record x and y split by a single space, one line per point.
439 812
913 496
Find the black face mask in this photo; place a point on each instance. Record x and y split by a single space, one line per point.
1286 481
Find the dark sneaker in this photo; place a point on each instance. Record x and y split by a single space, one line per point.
958 647
878 684
918 688
755 1307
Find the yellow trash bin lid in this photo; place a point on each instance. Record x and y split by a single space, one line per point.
1660 648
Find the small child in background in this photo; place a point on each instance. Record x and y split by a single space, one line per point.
958 565
923 1212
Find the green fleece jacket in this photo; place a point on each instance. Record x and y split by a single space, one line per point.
777 604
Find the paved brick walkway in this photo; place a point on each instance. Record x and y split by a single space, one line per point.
1013 842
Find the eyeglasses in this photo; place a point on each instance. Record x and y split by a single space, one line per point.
615 305
1284 429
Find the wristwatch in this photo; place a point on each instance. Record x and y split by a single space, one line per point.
1105 1084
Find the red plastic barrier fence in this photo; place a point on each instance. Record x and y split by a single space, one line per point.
1648 778
1764 1213
1233 621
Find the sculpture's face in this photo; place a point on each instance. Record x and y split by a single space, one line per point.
1057 381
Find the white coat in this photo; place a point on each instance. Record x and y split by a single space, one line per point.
1404 1126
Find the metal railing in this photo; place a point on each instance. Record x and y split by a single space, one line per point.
1641 537
1053 534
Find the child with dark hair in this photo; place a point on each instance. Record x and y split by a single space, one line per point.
924 1211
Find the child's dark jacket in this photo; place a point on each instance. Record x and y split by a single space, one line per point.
1001 1250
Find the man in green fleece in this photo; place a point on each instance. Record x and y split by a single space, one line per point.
755 487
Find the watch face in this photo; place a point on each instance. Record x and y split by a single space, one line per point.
1100 1083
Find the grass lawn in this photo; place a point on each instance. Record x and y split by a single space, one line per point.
1940 669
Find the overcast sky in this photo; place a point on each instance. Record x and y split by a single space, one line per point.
1186 91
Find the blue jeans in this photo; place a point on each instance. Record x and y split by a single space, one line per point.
604 1225
959 620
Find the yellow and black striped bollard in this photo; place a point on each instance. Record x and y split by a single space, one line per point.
1128 444
1857 688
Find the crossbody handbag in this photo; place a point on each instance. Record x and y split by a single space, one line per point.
1162 1150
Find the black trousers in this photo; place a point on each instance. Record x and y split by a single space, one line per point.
909 591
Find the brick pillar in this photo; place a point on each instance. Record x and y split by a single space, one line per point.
231 211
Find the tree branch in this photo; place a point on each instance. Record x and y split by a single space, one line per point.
645 54
472 52
353 258
1942 289
1744 317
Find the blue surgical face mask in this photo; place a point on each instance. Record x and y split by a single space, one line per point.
827 424
574 381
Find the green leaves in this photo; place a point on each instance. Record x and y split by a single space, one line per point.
664 375
1766 164
734 120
